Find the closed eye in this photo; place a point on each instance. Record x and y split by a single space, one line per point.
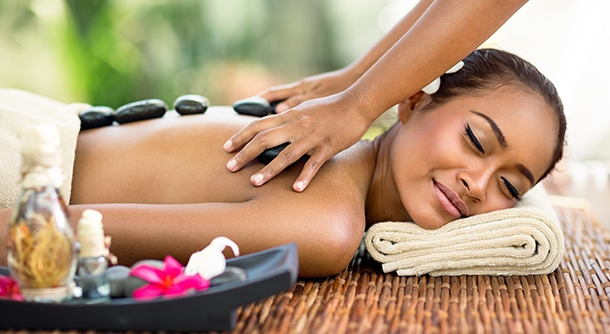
475 141
513 191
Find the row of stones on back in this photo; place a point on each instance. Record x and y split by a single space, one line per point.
100 116
189 104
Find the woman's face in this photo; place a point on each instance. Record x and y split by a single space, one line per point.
471 155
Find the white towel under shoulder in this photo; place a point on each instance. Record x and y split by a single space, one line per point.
523 240
18 109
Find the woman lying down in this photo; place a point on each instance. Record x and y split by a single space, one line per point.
493 130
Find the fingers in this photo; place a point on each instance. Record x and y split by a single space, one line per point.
249 132
281 92
291 95
285 158
283 106
312 166
309 128
294 151
290 102
265 135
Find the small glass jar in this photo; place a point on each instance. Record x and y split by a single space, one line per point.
92 258
41 245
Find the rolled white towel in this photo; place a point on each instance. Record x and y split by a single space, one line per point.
20 108
523 240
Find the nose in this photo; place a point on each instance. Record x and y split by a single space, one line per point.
476 183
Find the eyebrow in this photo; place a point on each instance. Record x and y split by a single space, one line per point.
526 172
494 127
502 141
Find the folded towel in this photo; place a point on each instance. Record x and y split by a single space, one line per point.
18 109
523 240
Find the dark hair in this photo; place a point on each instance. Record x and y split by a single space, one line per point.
490 69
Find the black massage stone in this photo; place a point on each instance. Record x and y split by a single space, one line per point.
96 117
117 278
191 104
131 284
140 110
270 153
253 106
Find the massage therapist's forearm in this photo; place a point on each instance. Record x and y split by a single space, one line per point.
446 33
152 231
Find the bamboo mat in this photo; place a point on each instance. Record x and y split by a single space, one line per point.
362 299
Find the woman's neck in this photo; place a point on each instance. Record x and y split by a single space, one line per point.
383 201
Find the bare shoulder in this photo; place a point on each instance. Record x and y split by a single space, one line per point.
337 193
327 220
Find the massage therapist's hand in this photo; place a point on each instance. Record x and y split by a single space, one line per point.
309 88
320 128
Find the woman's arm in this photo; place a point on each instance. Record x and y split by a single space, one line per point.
333 82
445 33
326 239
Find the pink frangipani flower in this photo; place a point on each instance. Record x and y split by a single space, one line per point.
167 281
9 289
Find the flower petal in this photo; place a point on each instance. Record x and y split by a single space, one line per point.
9 289
210 261
172 267
456 67
221 242
432 87
196 282
4 288
176 291
148 292
147 273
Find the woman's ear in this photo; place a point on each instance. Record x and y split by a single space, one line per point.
406 107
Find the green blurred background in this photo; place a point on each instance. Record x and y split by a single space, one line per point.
111 52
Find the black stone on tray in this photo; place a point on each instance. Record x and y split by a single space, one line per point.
270 153
140 110
231 274
132 284
252 106
117 278
191 104
96 117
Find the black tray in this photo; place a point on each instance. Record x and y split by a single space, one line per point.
269 272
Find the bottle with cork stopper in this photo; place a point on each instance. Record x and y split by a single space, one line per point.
92 258
41 246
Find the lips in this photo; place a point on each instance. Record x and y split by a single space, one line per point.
450 201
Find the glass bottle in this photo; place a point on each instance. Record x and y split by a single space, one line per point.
41 246
92 258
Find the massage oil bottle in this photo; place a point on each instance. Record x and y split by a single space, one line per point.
41 245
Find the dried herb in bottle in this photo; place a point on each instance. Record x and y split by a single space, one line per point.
41 246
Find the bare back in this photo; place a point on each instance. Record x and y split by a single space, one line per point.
164 188
180 160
